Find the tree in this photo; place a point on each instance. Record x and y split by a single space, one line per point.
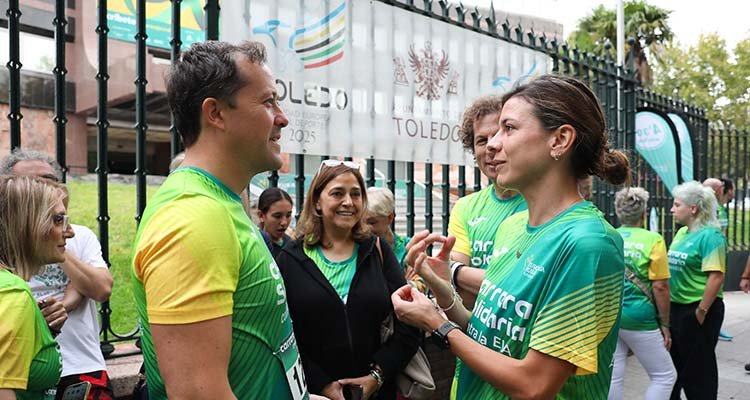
708 76
647 24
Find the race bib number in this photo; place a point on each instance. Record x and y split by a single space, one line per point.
288 354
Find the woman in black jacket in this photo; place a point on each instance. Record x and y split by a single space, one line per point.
338 285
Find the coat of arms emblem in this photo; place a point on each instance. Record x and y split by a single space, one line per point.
430 70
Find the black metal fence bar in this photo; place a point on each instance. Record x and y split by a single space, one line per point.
14 70
390 183
446 193
212 19
461 181
140 109
299 184
410 199
60 22
428 185
102 160
370 172
175 45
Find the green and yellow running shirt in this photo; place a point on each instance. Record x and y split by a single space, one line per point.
646 256
722 214
30 360
197 257
339 274
692 256
555 288
474 221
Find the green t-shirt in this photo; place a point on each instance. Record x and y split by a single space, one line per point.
338 273
555 288
399 248
474 221
30 359
646 256
692 256
723 216
197 256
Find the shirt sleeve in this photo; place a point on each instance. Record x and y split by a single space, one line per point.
87 247
188 258
714 252
17 338
658 268
582 302
457 228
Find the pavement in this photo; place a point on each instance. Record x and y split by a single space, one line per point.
734 382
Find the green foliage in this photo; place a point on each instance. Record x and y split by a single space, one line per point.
647 24
83 208
708 76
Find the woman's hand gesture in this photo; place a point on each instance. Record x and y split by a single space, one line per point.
414 308
434 270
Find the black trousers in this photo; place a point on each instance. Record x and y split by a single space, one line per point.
694 350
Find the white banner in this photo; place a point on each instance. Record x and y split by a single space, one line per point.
365 79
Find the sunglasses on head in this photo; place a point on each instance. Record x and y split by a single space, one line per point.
336 163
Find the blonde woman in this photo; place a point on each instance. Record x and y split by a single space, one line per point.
644 327
381 211
33 231
697 263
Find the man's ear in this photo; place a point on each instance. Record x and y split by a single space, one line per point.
211 113
561 140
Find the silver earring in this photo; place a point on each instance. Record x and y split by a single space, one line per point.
556 156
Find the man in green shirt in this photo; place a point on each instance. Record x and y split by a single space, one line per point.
724 192
210 298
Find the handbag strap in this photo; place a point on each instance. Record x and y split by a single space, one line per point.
380 250
634 279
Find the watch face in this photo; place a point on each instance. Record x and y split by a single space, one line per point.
440 335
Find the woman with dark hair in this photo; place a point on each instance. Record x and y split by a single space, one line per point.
545 320
275 213
339 279
33 231
644 326
697 262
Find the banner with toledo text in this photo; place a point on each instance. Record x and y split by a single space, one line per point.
366 79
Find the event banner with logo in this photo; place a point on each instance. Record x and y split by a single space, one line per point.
655 141
122 23
686 146
366 79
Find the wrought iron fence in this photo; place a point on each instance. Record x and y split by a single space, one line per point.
603 75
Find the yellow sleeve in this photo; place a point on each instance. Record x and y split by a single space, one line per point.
714 249
457 228
659 267
188 258
17 338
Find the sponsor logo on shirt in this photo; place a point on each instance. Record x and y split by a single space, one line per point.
530 269
501 252
476 221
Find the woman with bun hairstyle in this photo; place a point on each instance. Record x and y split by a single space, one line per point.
697 263
546 318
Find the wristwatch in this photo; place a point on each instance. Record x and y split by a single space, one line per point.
440 335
